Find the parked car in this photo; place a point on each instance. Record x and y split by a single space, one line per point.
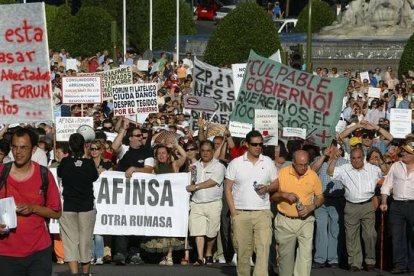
222 12
285 25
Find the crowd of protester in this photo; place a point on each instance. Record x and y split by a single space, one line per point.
165 143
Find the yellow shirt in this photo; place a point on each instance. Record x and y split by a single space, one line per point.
306 187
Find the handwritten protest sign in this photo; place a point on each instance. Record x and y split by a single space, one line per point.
65 126
25 91
135 98
302 99
266 122
238 74
81 90
374 92
199 103
400 122
72 64
294 132
142 64
110 78
211 81
239 130
364 76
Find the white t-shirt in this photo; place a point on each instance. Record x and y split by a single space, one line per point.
244 173
213 170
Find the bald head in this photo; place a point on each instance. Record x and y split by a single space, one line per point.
301 155
300 162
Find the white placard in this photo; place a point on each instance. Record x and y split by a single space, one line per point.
142 65
135 98
143 205
199 103
340 126
25 92
374 92
239 130
65 126
276 57
266 121
364 76
400 122
294 132
81 90
238 74
71 64
8 215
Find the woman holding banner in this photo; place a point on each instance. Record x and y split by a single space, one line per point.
166 163
78 217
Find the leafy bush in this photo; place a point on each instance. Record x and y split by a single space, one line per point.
322 16
248 27
3 2
407 58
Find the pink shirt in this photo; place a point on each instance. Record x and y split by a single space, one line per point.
399 182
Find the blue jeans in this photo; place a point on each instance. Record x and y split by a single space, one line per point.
327 232
97 246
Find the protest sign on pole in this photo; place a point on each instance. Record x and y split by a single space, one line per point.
81 90
65 126
135 98
110 78
238 74
400 122
199 103
211 81
266 121
302 99
25 89
143 205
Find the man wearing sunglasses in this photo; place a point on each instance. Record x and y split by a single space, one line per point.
246 187
399 181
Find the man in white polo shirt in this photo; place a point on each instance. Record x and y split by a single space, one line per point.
206 202
246 186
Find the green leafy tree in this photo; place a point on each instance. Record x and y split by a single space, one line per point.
60 25
407 58
3 2
246 27
164 23
322 15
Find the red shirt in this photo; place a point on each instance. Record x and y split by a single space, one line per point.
31 234
236 152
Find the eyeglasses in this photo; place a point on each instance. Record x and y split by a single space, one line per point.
190 149
93 149
137 135
256 144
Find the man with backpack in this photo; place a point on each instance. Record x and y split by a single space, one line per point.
26 250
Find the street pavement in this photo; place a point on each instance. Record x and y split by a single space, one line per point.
178 270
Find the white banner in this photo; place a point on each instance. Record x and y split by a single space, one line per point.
294 132
25 90
266 121
135 98
239 130
199 103
65 126
400 122
238 74
81 90
143 205
110 78
211 81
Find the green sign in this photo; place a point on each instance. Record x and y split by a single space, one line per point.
303 100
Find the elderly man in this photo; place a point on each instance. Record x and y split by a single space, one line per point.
299 193
206 202
359 180
246 190
400 180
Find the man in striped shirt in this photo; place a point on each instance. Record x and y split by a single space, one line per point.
360 180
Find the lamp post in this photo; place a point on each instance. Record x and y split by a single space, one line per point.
309 40
178 31
124 26
150 26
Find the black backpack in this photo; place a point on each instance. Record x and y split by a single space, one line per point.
43 174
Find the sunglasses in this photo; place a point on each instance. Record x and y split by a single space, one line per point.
190 149
137 135
256 144
93 149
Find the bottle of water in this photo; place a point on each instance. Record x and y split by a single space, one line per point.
256 187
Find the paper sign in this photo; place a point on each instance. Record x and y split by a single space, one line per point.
200 103
81 90
364 76
65 126
155 68
294 132
276 57
340 126
142 65
400 122
134 99
266 121
71 64
238 74
25 89
302 99
374 92
239 130
8 212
